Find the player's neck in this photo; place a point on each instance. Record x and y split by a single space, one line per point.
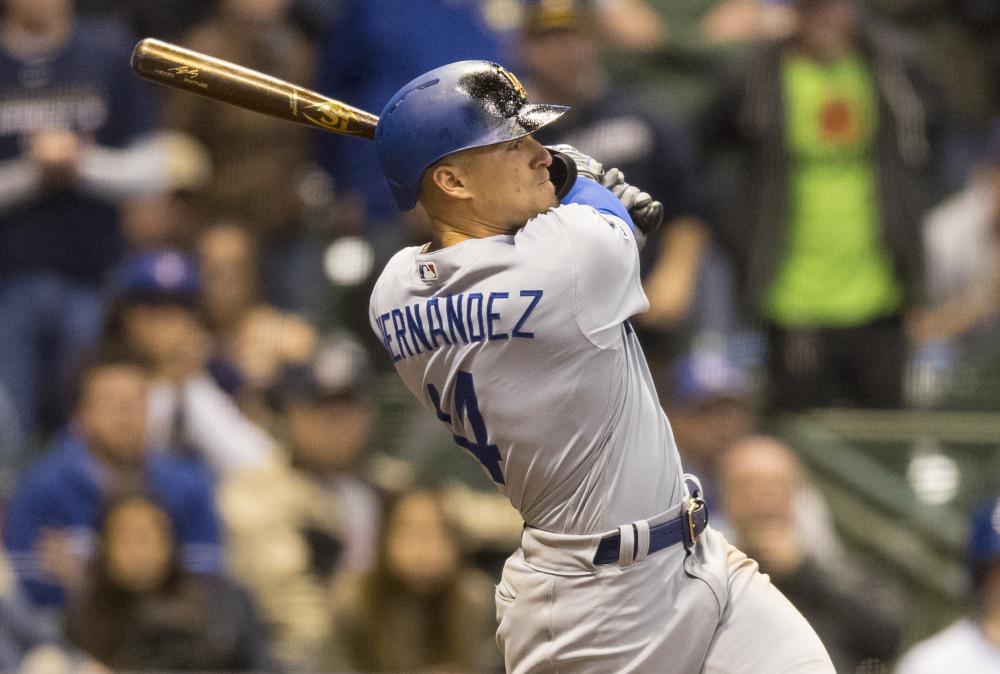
458 229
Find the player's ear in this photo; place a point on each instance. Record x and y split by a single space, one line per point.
450 180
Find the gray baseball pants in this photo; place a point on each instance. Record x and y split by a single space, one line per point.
676 611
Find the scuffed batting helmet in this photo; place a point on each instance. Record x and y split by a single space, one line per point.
455 107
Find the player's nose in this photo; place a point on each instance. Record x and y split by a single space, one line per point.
540 157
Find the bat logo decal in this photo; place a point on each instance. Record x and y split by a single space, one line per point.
326 117
188 71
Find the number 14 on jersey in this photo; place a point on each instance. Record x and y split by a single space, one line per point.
467 405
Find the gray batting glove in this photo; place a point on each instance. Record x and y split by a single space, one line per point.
585 164
647 213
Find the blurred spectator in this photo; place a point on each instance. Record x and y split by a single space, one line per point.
73 144
421 609
559 49
962 238
11 435
761 485
839 134
257 338
156 314
49 522
167 219
708 401
296 529
971 645
698 39
141 611
23 628
259 162
163 19
372 49
956 42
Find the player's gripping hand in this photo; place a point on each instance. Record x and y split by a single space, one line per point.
585 164
646 212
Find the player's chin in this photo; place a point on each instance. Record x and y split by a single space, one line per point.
549 198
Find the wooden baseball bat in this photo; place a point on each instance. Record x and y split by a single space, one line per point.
208 76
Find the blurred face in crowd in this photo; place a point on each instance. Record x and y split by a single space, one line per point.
760 477
329 436
256 11
162 331
499 186
827 27
37 15
112 412
139 546
705 429
421 549
564 63
226 255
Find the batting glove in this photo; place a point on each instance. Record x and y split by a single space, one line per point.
585 164
646 212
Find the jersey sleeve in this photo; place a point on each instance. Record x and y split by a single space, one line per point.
597 254
588 193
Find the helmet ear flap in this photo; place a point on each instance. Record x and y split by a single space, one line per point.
562 173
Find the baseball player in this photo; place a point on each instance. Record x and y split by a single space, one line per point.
512 327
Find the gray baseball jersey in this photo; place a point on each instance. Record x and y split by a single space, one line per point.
521 346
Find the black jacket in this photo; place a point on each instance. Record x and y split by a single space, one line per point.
749 115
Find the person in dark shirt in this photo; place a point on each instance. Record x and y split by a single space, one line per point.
371 50
142 611
74 121
763 488
562 58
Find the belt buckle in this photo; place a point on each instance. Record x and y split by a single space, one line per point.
694 506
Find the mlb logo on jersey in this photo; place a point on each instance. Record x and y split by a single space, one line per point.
427 270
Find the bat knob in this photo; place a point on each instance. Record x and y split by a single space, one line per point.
562 173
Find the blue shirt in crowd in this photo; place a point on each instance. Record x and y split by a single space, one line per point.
65 491
374 49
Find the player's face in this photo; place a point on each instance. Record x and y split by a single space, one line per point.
510 182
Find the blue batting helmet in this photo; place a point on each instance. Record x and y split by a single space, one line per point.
455 107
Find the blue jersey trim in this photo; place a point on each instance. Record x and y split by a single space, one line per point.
587 192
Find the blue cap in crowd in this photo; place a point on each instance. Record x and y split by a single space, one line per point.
703 376
159 276
984 539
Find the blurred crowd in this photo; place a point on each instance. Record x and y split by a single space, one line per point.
204 461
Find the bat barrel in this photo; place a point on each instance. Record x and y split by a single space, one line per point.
198 73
